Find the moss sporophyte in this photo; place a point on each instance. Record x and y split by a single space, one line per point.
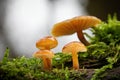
100 60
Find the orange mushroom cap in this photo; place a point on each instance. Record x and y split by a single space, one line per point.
74 47
48 42
43 53
84 22
63 28
76 24
70 26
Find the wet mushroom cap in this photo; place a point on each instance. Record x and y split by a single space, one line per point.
74 46
43 54
48 42
73 25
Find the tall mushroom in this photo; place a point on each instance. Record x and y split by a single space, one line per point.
46 56
47 43
74 47
76 24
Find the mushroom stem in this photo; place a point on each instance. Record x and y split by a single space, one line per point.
82 38
75 61
47 63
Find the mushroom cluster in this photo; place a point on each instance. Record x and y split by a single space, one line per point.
44 45
67 27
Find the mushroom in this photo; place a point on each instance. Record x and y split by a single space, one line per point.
47 43
76 24
74 47
46 56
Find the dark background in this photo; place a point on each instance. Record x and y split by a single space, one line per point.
101 8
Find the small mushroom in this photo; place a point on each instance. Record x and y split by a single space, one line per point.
46 56
74 47
47 43
76 24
